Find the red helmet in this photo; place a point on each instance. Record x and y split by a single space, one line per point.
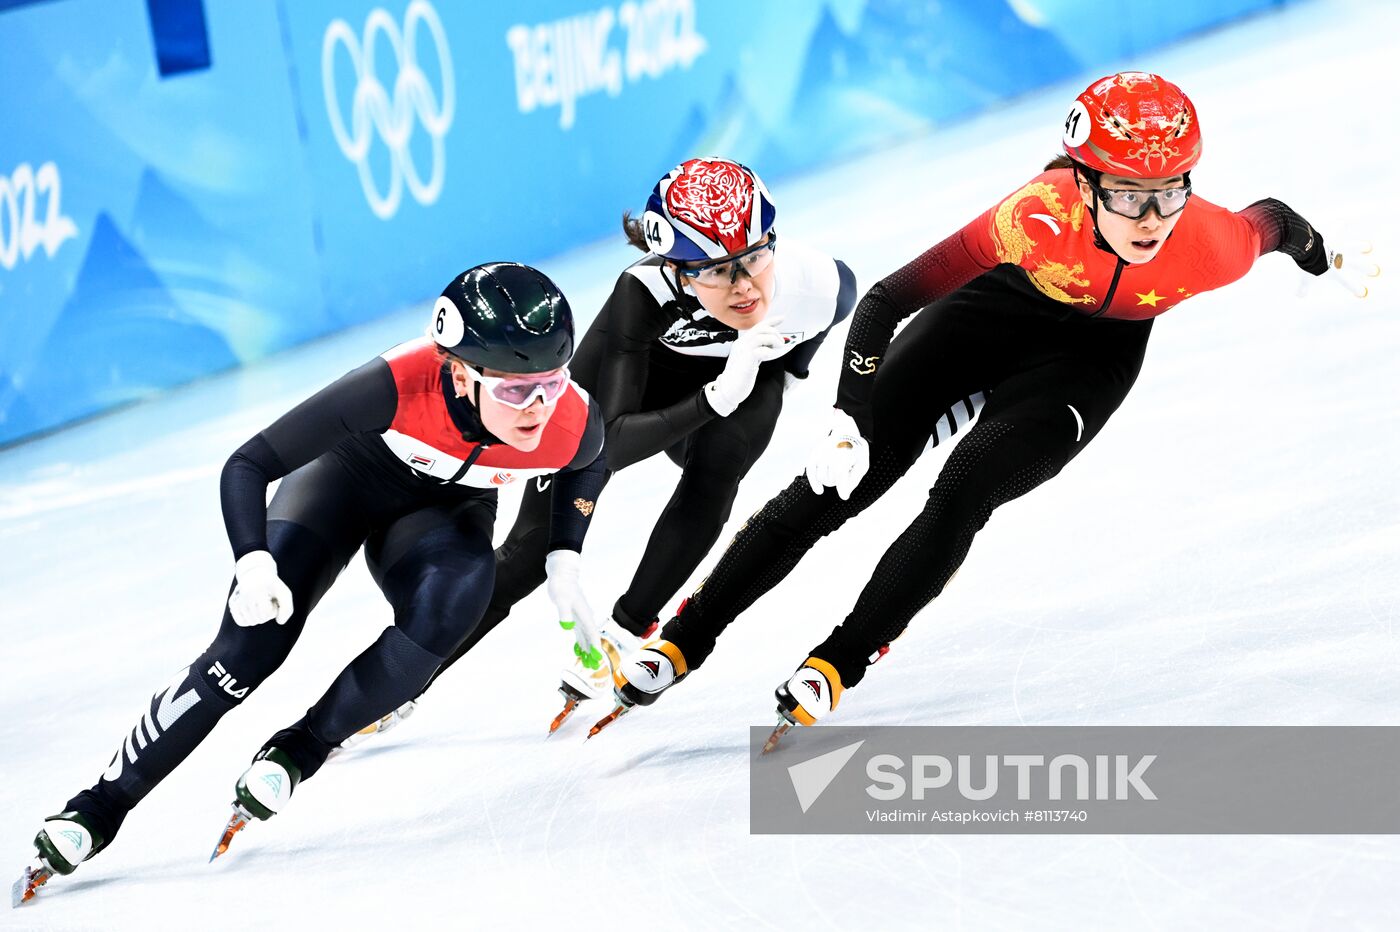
707 208
1134 124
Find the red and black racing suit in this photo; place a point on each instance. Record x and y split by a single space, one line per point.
388 458
1026 305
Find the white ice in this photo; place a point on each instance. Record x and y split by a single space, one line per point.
1228 552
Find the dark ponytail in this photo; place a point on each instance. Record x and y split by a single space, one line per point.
632 229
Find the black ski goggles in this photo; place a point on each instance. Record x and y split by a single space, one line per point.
1134 203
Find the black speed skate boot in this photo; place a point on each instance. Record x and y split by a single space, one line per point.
66 840
642 677
617 640
806 696
261 793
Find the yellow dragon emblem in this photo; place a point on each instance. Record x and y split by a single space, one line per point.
1013 244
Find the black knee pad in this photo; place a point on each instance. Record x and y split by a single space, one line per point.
437 623
390 672
440 590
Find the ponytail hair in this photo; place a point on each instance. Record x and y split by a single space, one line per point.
632 229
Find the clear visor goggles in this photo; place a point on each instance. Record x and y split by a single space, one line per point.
752 261
1134 203
520 391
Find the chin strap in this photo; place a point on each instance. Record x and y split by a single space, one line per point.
677 288
1099 241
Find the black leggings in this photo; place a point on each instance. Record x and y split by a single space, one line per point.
1052 383
429 550
713 461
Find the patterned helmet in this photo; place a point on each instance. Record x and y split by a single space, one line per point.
706 209
1134 124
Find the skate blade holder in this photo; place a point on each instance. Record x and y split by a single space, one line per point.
785 724
622 709
27 886
236 823
573 698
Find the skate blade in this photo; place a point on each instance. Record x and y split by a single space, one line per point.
377 727
608 719
34 877
359 737
569 706
784 726
236 824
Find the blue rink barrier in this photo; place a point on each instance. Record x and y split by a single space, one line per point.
190 185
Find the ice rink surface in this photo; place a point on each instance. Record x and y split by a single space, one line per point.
1227 553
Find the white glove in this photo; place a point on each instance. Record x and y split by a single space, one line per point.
570 604
1349 267
839 459
260 595
616 642
754 346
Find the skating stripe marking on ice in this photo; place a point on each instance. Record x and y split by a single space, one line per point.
1079 421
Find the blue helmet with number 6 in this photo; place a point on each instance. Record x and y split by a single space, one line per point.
707 209
504 316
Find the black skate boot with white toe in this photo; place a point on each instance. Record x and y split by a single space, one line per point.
65 841
642 678
262 792
618 638
805 697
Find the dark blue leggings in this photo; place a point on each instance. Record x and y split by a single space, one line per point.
428 549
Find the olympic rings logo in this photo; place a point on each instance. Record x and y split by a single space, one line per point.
373 112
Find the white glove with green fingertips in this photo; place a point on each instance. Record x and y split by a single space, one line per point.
571 605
